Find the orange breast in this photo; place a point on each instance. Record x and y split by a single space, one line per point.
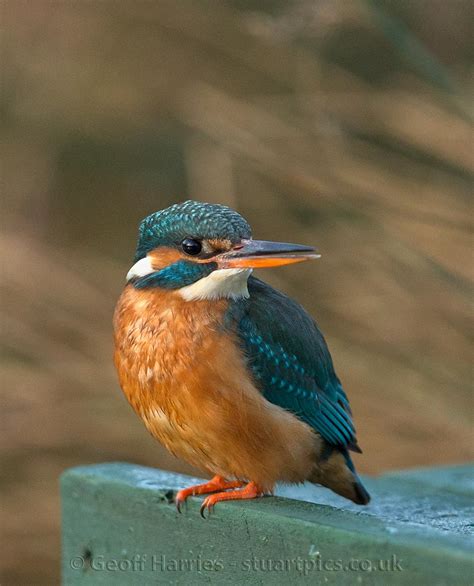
187 379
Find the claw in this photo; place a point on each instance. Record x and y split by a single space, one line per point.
208 505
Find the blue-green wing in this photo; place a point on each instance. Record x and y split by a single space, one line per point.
291 363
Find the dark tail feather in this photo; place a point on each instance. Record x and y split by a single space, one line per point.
363 497
336 471
361 494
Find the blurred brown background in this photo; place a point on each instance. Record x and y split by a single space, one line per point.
335 123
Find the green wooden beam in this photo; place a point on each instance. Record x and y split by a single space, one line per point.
120 526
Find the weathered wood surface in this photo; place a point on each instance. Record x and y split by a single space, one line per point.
120 526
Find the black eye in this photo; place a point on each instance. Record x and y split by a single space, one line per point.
191 246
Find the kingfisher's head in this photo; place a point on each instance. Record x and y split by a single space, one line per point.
204 251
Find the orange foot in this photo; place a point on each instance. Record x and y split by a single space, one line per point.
251 491
214 485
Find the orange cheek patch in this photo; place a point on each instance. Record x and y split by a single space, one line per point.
163 257
220 245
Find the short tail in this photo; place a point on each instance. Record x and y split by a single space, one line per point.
361 494
336 471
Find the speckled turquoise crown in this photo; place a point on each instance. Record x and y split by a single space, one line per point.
194 219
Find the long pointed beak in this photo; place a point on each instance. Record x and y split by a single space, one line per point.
256 254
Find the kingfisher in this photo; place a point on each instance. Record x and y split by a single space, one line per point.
225 371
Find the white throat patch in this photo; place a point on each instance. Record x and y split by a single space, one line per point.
140 269
222 283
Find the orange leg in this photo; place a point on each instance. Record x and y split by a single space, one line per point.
251 491
214 485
